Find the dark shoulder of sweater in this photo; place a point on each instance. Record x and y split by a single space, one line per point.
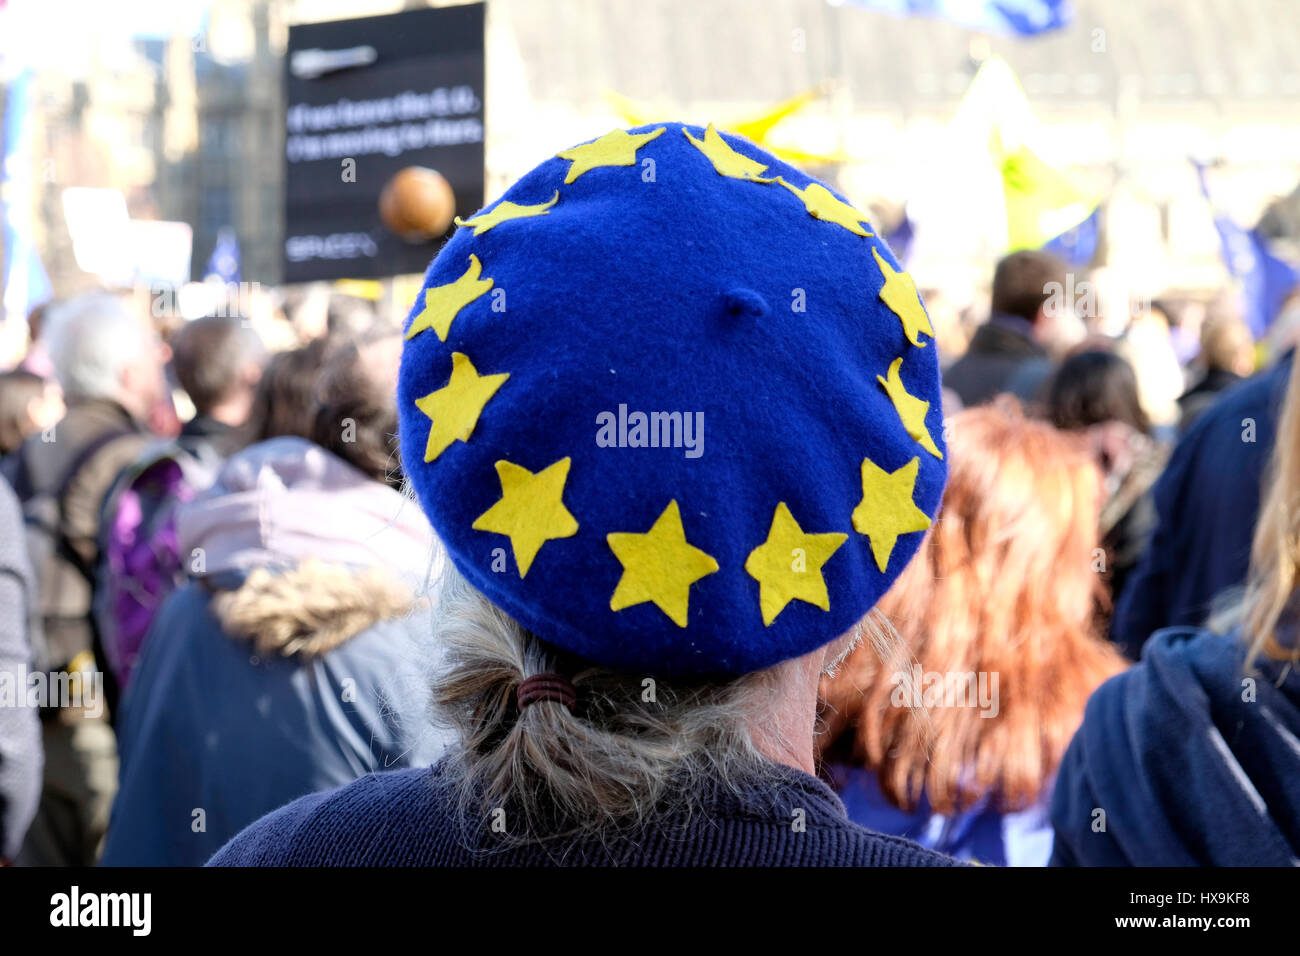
407 818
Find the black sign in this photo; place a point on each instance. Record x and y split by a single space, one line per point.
366 99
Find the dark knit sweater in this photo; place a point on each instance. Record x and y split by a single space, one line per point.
406 818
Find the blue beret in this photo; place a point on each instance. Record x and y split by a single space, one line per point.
672 405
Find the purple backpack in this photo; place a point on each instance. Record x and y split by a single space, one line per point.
140 563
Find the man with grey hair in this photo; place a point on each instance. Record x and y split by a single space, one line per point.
218 361
109 362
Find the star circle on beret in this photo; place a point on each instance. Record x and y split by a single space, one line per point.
531 510
899 293
726 160
617 148
659 566
822 204
788 565
888 510
707 421
454 409
443 303
911 410
505 211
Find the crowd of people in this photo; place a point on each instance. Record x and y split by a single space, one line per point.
261 593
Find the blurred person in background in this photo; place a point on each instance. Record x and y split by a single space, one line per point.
109 363
1149 350
20 727
285 394
37 359
1192 757
316 311
28 404
1004 593
951 334
1226 357
1185 321
1206 502
1284 333
218 362
349 316
1029 327
275 671
1096 393
306 307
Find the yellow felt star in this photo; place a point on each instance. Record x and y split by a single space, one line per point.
887 509
911 409
726 160
899 293
454 409
788 565
505 210
442 303
659 566
822 204
531 510
616 148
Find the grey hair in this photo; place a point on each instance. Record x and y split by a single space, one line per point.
90 339
634 748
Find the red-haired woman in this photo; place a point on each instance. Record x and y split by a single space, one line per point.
951 735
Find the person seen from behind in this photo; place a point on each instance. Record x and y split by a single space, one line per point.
1227 357
218 362
622 649
294 625
1095 394
29 405
953 739
109 363
1192 757
1031 324
21 755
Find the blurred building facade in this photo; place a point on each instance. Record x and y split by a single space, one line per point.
189 126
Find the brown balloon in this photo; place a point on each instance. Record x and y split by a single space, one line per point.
417 204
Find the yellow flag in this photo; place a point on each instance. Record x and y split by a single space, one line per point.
753 128
1041 202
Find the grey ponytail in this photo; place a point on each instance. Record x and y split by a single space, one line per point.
634 747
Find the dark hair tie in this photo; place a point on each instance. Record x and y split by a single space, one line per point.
546 687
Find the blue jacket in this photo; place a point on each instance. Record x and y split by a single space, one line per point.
282 667
410 819
1184 760
1206 502
209 725
981 834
